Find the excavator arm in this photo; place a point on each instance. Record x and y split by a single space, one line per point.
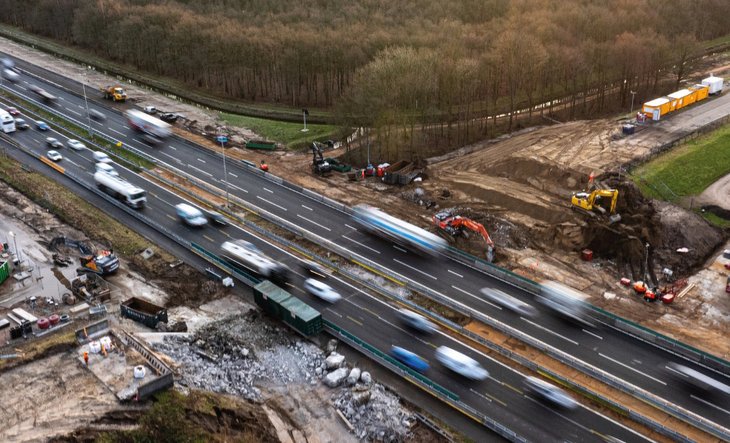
455 224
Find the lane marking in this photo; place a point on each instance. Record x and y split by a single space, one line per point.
355 321
400 249
354 229
480 395
236 187
307 208
415 269
633 369
710 404
171 217
201 160
552 332
74 163
458 275
230 173
127 127
138 140
313 222
200 170
174 158
336 313
267 189
208 238
224 233
71 110
22 87
509 386
357 242
496 399
475 297
114 130
591 333
273 204
172 147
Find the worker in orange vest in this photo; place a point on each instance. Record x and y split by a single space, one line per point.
86 358
264 166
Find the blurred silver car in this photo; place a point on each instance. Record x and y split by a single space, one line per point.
75 145
461 363
549 393
321 290
416 321
506 301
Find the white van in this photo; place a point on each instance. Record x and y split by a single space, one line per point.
101 157
460 363
191 215
107 169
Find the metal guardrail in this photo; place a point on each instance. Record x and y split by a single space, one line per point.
422 381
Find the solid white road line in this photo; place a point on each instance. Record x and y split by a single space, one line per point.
400 249
114 130
710 404
552 332
71 110
236 187
200 170
633 369
313 222
273 204
358 243
415 269
458 275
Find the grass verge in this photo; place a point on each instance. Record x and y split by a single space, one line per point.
287 133
687 170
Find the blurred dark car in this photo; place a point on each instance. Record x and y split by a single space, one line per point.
169 117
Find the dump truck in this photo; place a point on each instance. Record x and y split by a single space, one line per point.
121 189
285 307
146 123
115 93
144 312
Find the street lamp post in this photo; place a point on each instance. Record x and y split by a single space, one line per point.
222 139
88 116
17 251
633 93
305 113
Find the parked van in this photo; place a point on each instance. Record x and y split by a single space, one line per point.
107 169
191 215
460 363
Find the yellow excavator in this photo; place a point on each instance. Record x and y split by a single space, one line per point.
601 201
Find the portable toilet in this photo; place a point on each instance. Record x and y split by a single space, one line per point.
714 83
656 108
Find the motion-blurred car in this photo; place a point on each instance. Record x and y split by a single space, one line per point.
96 115
54 143
460 363
409 359
313 268
54 155
42 126
10 75
101 157
75 145
321 290
21 124
507 301
549 393
106 168
13 111
215 217
150 110
416 321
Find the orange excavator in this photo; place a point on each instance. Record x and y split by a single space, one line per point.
451 226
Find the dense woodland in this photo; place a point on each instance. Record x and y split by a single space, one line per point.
419 72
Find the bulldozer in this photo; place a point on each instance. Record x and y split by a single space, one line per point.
451 226
598 201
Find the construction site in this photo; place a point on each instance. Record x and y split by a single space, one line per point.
555 202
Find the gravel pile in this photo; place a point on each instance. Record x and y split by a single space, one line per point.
237 354
375 413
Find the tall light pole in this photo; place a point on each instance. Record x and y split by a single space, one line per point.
633 93
15 242
222 139
88 116
305 113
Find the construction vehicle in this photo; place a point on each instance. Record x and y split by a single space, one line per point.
103 263
598 201
451 226
320 166
114 92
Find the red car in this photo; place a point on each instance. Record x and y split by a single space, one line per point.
13 111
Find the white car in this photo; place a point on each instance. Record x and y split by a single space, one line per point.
507 301
54 155
101 157
150 109
461 363
549 393
106 168
75 145
321 290
54 143
416 321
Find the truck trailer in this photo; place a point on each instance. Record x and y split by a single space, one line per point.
283 306
146 123
121 189
144 312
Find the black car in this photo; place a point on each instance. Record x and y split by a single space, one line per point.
96 115
169 117
21 124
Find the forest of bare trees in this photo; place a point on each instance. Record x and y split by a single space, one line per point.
419 72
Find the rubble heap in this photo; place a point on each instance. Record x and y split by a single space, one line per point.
375 413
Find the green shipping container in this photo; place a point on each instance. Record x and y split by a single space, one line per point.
261 145
281 305
4 271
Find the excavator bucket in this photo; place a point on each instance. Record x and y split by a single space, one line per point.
490 254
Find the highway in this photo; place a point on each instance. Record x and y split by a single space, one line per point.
632 360
501 397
